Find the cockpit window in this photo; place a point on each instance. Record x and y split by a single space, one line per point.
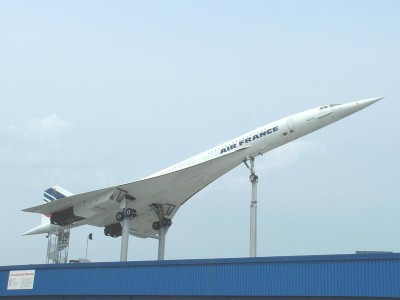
326 106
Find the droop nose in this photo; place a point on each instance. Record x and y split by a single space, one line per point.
352 107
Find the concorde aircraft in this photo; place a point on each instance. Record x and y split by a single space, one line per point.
154 200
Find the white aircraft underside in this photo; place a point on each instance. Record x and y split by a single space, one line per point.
172 187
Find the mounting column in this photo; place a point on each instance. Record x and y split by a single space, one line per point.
162 226
125 218
124 239
162 232
253 206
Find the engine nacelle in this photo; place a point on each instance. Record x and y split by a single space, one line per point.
113 230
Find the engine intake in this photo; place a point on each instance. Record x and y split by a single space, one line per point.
113 230
65 217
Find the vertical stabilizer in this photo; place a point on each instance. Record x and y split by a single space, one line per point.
51 194
54 193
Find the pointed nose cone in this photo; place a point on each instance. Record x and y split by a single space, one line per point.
352 107
367 102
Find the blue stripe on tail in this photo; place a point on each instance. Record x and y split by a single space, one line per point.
51 195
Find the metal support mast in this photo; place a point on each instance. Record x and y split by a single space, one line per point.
162 227
161 242
253 206
125 218
124 239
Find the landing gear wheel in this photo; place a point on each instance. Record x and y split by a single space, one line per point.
166 222
156 225
130 212
119 216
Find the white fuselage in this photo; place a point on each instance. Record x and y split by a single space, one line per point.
275 134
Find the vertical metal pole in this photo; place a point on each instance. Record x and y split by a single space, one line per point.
125 235
87 244
124 240
161 242
253 216
253 206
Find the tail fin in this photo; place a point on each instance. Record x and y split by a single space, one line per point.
51 194
54 193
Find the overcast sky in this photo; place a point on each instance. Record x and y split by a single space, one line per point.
97 93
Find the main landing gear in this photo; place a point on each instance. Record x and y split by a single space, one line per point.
163 223
126 213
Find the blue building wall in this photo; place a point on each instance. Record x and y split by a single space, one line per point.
347 276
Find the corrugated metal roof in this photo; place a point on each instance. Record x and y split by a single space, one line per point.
376 275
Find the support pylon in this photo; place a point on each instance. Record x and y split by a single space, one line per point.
253 206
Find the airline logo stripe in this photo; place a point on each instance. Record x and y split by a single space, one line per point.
48 197
54 194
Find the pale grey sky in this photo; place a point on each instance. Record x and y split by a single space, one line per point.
98 93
